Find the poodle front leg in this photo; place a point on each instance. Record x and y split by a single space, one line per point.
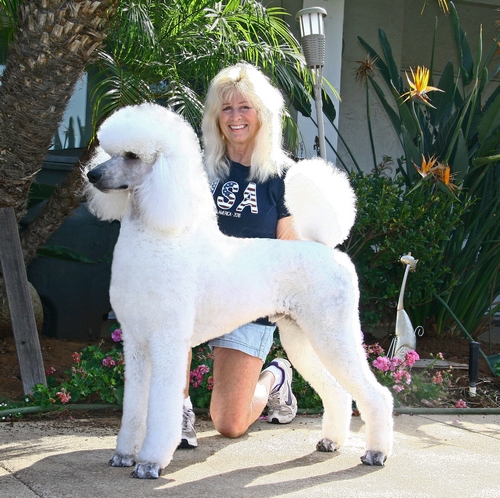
133 426
337 401
166 395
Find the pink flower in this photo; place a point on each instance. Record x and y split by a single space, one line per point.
438 378
50 371
116 335
395 362
460 404
63 395
398 376
408 378
210 383
108 362
398 387
374 349
382 363
203 369
411 358
197 375
76 357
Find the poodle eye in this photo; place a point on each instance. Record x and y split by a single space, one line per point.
131 155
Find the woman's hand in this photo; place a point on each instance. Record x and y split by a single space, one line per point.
285 230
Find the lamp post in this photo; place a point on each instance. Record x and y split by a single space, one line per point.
313 45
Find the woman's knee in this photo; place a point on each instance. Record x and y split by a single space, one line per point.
231 428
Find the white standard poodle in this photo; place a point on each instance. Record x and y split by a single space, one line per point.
177 281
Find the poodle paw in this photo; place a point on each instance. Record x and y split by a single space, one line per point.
118 460
326 445
376 458
146 470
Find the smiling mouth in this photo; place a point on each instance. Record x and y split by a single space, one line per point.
237 127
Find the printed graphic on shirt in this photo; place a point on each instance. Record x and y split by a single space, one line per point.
249 199
213 186
228 198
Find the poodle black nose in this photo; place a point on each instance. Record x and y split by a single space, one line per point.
94 175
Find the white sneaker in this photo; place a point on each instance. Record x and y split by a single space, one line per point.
188 439
282 404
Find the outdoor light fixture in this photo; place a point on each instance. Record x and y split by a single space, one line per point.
313 45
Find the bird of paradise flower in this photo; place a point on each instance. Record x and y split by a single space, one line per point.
419 86
437 170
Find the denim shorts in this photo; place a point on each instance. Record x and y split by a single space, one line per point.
252 338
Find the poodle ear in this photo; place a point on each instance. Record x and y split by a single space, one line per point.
165 199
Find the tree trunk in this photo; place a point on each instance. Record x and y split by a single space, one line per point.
55 41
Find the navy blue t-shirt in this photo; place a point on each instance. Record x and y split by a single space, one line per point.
247 208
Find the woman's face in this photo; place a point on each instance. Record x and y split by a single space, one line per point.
238 120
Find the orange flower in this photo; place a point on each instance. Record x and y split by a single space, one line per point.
427 166
443 173
419 87
439 171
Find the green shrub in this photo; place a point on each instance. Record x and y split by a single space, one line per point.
392 222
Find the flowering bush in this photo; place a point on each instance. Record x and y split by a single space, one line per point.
427 387
98 375
95 375
200 379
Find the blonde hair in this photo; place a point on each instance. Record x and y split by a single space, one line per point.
268 157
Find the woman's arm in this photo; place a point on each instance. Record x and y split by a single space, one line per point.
285 230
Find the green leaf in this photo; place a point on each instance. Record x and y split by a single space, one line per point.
391 64
492 52
466 60
65 253
328 106
443 101
39 192
490 121
413 154
460 164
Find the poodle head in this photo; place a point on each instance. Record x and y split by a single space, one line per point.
153 164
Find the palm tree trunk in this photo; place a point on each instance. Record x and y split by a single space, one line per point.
55 41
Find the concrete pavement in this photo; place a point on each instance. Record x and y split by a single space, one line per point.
434 456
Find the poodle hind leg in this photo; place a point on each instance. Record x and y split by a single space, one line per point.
346 360
337 401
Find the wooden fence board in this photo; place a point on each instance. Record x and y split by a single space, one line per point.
28 349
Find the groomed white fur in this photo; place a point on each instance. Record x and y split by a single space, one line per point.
177 281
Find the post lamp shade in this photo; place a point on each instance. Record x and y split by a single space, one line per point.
313 35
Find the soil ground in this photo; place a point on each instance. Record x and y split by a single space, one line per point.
57 353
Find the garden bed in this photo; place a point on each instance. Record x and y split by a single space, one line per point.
57 355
